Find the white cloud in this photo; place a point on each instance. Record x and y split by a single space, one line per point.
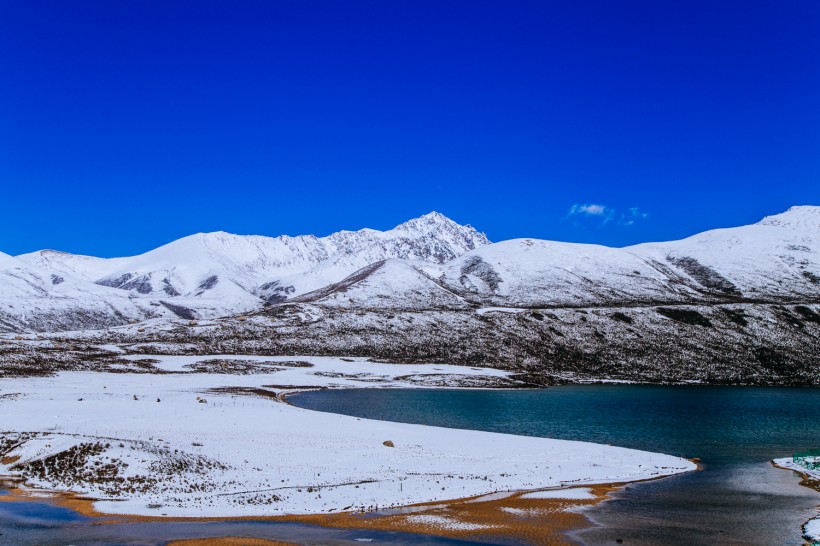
596 212
591 209
632 215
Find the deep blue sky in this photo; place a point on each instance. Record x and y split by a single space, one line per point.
124 125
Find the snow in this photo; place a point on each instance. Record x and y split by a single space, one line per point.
444 523
391 284
209 275
111 348
247 454
576 493
777 257
87 268
485 310
811 530
349 372
248 262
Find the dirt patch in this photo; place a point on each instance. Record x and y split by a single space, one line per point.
9 460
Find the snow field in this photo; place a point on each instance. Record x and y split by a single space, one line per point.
168 444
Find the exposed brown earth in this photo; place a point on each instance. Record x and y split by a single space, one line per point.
530 521
229 541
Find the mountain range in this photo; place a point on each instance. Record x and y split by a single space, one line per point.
728 306
428 262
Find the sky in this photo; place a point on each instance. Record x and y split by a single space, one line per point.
125 125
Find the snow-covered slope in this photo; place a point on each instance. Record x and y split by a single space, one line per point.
390 284
777 258
246 268
530 272
43 299
88 268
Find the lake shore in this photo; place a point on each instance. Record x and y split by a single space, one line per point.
531 517
810 479
192 442
189 439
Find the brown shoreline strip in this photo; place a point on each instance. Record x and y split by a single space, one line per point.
529 520
806 479
228 541
543 521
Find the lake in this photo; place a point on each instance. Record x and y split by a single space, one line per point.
738 497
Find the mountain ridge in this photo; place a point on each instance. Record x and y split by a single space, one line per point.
433 263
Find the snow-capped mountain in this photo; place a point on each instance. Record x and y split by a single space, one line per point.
777 259
87 268
214 274
39 298
430 262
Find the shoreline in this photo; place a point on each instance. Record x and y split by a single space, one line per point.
314 468
810 481
233 451
537 516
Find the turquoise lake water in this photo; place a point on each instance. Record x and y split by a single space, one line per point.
738 497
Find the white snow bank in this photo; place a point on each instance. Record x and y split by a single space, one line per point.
576 493
811 530
441 522
485 310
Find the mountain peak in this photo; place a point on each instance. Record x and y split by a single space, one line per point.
798 217
437 221
434 216
431 218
